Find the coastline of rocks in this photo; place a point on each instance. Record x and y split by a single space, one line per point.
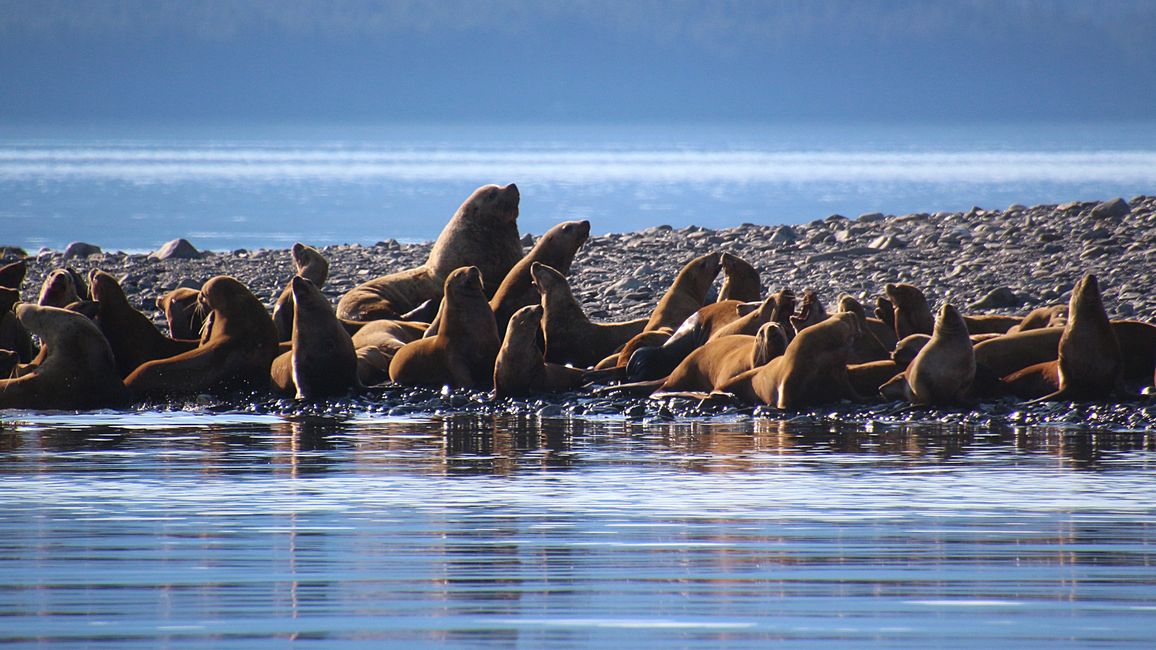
998 261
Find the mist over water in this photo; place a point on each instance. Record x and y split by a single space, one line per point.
253 187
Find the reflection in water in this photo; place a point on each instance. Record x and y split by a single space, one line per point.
219 530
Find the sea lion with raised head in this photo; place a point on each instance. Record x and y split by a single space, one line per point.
570 336
131 335
59 289
942 372
867 347
310 264
463 352
237 348
184 312
687 294
482 233
911 313
521 369
75 370
322 361
741 280
811 312
1088 359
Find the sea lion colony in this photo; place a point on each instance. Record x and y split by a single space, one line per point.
478 314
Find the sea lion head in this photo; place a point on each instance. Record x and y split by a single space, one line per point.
311 264
8 299
573 233
784 308
306 296
232 302
58 290
545 277
12 275
105 288
466 280
524 324
493 200
184 312
908 347
811 312
850 304
1086 298
948 321
770 342
912 315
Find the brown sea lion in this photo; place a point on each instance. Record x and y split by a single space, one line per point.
322 362
570 336
867 346
885 313
58 290
75 371
621 358
482 233
13 335
990 323
373 363
1137 349
463 352
721 359
521 369
812 370
687 294
868 378
8 362
1006 354
911 313
741 280
1089 355
237 348
309 264
379 331
906 349
942 372
131 335
184 312
12 275
1040 317
811 312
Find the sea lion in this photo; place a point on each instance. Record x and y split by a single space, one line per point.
131 335
521 369
943 370
75 371
621 358
463 352
911 313
58 290
309 264
1006 354
1137 349
322 362
373 363
741 280
721 359
12 275
13 335
885 313
570 336
1040 317
812 370
378 331
906 349
687 294
237 348
184 312
811 312
990 323
8 362
867 346
482 233
1089 355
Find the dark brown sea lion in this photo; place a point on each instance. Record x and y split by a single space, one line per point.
621 358
482 233
13 335
687 294
521 369
1089 355
943 371
184 312
868 378
237 348
322 362
8 362
570 336
721 359
309 264
463 352
131 335
1137 349
911 313
75 371
58 290
12 275
812 370
741 281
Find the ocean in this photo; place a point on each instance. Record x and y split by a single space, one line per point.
133 187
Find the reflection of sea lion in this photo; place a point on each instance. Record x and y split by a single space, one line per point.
131 335
943 370
463 352
75 371
687 294
13 335
911 315
322 362
309 264
570 336
58 290
812 370
521 369
720 360
236 351
184 312
742 281
482 233
1089 355
12 275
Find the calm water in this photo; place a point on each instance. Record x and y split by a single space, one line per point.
199 530
256 186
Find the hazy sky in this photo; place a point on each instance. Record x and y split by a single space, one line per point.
586 60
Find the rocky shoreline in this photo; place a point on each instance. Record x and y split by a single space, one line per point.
1000 261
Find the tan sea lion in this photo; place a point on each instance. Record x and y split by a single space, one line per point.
482 233
521 369
184 312
867 346
687 294
463 352
75 371
58 290
322 362
651 339
131 335
911 313
237 348
1089 355
721 359
741 281
309 264
373 363
942 372
812 370
570 336
12 275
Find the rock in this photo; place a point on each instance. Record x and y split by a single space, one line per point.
179 249
1015 207
870 217
527 240
1096 233
843 254
784 235
1112 209
80 249
887 243
1000 298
